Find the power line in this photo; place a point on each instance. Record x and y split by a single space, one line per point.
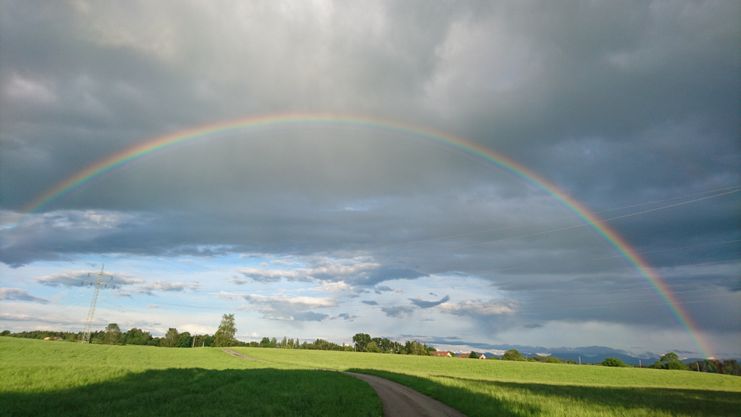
719 192
616 256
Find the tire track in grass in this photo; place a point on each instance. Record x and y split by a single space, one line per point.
401 401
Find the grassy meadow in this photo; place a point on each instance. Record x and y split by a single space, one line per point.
40 378
60 378
505 388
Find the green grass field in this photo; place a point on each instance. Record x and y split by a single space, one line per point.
504 388
60 378
40 378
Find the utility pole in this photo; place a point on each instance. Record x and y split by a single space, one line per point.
579 359
91 311
640 364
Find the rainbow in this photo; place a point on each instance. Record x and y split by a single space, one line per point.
466 146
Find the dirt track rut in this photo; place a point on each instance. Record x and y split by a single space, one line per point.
401 401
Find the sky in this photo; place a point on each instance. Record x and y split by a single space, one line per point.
329 229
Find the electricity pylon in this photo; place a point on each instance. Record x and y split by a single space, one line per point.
91 311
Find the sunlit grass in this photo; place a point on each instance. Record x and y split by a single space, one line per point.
503 388
59 378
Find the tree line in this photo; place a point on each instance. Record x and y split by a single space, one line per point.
365 343
113 335
667 361
225 336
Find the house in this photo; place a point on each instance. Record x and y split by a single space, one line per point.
442 353
466 355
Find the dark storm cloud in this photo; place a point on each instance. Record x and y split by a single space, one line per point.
307 316
397 311
428 304
619 105
345 316
86 279
26 318
165 286
390 273
17 294
380 289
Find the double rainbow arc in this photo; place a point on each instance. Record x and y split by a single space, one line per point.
601 227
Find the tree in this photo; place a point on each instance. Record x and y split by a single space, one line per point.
136 337
473 355
97 337
613 362
361 341
224 336
184 340
670 361
170 339
513 355
372 347
415 348
112 334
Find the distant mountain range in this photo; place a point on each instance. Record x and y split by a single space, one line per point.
587 354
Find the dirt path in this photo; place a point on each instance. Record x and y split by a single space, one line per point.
398 400
401 401
242 356
237 354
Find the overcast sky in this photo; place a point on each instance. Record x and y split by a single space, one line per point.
631 108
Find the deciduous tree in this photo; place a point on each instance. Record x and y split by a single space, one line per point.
112 334
670 361
171 338
513 355
224 336
137 337
361 341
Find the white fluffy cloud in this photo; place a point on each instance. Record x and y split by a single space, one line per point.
480 308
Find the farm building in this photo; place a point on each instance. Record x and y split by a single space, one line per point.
442 354
467 355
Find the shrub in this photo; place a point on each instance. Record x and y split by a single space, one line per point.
613 362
